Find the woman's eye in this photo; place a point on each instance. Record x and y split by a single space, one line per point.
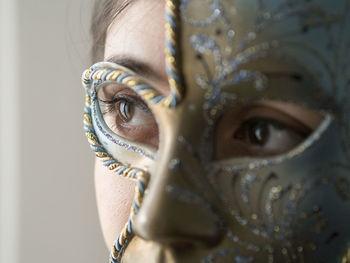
127 115
269 136
263 129
125 109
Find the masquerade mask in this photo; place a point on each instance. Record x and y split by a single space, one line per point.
262 190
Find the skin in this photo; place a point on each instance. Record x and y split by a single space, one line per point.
161 235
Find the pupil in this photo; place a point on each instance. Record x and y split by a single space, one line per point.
125 110
259 133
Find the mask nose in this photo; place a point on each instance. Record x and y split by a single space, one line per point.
178 208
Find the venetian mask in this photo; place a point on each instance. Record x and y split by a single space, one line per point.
220 177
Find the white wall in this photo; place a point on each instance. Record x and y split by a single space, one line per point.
47 212
9 133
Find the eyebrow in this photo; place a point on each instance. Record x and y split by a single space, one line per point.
139 67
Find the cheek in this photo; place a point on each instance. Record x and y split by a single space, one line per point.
114 198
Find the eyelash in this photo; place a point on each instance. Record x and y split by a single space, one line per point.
302 131
131 99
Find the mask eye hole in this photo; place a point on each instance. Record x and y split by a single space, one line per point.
263 129
127 115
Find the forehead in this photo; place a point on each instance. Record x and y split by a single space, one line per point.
138 33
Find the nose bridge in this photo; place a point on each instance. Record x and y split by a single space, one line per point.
177 205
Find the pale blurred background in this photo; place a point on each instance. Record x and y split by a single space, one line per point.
47 202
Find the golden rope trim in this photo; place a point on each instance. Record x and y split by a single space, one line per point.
173 62
172 53
116 167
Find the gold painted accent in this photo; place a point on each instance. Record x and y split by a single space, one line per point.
150 95
87 117
346 258
167 52
142 176
100 73
114 253
88 99
171 59
87 73
113 166
92 142
91 136
133 82
170 4
167 26
101 154
114 75
167 102
127 79
126 172
110 75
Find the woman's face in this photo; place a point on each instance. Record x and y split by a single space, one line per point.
189 212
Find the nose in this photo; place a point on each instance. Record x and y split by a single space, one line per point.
177 209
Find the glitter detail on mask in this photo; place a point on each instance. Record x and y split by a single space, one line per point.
215 10
228 63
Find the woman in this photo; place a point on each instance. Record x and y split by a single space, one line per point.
236 138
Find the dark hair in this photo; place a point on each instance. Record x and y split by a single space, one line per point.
104 12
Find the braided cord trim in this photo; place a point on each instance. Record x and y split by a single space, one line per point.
121 76
129 79
172 51
140 176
